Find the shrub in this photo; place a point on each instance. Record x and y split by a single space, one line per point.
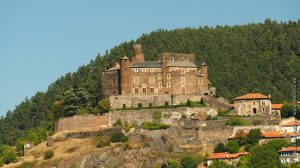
155 126
150 105
188 103
191 161
118 137
102 141
233 146
118 123
183 116
73 149
201 101
48 154
257 122
1 162
156 116
219 164
253 137
104 106
223 112
220 148
9 156
236 121
126 126
173 164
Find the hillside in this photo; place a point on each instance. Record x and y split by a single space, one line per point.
260 57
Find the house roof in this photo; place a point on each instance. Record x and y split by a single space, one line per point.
292 123
298 102
226 155
272 134
276 106
250 96
146 64
290 149
180 64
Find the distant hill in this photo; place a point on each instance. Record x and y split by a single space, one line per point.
260 57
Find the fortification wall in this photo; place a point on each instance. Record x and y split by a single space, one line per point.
81 122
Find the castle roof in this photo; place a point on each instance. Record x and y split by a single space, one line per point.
146 64
225 155
180 64
251 96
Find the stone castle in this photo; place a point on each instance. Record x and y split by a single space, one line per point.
173 79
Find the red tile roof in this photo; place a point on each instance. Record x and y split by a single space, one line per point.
298 102
250 96
272 134
292 123
276 106
290 149
226 155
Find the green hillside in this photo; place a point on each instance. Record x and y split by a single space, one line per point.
260 57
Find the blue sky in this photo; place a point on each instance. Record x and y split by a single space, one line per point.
42 40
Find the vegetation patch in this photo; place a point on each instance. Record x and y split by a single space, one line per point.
102 141
155 126
48 154
118 137
73 149
28 164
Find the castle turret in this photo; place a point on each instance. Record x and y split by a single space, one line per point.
125 75
205 74
164 70
138 55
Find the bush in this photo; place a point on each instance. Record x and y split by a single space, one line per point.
191 161
220 148
150 105
1 162
48 154
118 137
236 121
173 164
155 126
233 146
183 116
9 156
188 103
118 123
156 116
202 102
253 137
219 164
257 122
103 141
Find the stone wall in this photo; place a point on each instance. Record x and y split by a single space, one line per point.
155 99
169 116
81 122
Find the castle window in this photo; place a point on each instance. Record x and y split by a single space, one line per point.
182 59
136 70
183 80
183 90
152 80
151 90
136 80
144 90
263 103
171 59
168 85
263 109
136 90
168 76
144 69
159 76
182 71
160 85
151 70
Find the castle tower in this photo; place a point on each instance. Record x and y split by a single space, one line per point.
138 55
164 70
205 74
125 75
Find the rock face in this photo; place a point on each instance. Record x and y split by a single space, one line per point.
144 149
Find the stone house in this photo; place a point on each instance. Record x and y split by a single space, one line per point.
138 81
252 104
228 158
289 155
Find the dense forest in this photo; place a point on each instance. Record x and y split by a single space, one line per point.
262 57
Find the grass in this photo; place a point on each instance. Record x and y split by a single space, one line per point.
28 165
72 149
48 154
155 126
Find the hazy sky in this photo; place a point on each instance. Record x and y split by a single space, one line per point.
42 40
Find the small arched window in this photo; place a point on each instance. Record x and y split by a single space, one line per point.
171 59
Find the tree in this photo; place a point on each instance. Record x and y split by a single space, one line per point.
104 106
278 144
191 161
264 157
220 148
253 137
233 146
286 111
241 137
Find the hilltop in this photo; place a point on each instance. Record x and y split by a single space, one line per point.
260 57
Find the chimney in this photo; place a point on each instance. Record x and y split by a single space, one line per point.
138 55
